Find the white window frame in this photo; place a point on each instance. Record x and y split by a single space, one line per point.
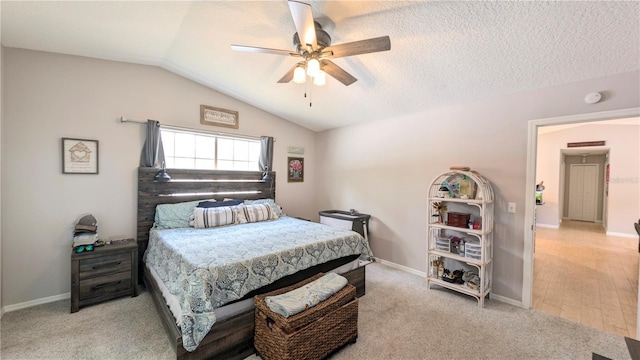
246 164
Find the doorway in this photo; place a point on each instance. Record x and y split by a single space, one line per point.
530 211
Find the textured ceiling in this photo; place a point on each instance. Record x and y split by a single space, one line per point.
442 53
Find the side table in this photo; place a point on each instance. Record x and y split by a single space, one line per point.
107 272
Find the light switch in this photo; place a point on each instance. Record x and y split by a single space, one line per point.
512 208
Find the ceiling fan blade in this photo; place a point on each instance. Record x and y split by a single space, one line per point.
337 72
288 76
382 43
303 18
254 49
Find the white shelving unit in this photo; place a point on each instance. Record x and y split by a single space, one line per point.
478 255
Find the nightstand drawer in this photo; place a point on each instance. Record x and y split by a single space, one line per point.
105 285
99 266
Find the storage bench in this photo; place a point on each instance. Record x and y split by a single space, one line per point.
311 334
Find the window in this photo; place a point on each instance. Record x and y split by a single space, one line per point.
201 150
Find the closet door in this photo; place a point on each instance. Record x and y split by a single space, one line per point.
583 192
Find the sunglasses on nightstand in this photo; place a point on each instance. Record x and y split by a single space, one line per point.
83 248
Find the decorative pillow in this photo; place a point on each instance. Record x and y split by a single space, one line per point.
215 216
242 217
210 204
171 216
271 202
258 212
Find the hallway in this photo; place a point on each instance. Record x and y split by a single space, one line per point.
583 275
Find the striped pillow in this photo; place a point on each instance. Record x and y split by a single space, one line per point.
212 217
274 206
259 212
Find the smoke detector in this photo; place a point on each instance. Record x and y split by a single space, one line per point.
592 98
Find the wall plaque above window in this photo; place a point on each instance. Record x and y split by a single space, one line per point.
585 143
210 115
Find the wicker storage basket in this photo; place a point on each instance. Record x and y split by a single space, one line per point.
311 334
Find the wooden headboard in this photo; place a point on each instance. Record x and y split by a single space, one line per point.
189 185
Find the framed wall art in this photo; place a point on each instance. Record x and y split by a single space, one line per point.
210 115
295 169
296 150
79 156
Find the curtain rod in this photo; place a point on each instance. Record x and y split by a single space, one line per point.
124 119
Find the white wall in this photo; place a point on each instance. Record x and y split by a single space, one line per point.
49 96
624 185
384 168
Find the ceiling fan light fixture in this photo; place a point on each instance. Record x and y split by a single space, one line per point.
299 75
320 79
313 67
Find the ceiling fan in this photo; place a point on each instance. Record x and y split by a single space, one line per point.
313 45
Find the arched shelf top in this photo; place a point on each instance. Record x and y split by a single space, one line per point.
481 190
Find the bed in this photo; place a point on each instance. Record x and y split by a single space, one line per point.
228 265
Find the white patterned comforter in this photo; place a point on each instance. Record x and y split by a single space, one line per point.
207 268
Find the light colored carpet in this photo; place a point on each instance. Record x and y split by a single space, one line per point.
398 319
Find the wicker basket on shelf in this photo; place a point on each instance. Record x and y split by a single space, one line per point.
311 334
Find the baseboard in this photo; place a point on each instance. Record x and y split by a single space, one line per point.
612 233
601 221
506 300
493 296
28 304
548 226
402 267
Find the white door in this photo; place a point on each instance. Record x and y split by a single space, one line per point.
583 191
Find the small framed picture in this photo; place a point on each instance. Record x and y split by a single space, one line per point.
79 156
210 115
295 169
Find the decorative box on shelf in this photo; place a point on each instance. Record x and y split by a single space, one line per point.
458 219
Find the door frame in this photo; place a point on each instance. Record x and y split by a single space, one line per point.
530 202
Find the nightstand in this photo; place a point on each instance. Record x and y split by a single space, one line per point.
107 272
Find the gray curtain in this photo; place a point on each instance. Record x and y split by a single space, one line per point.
152 152
266 153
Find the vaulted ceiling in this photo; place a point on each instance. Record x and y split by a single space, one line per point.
442 53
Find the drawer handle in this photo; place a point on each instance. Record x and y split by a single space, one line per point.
107 265
97 287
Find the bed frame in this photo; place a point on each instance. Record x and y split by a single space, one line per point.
231 338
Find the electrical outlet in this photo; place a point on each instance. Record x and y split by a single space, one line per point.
512 208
